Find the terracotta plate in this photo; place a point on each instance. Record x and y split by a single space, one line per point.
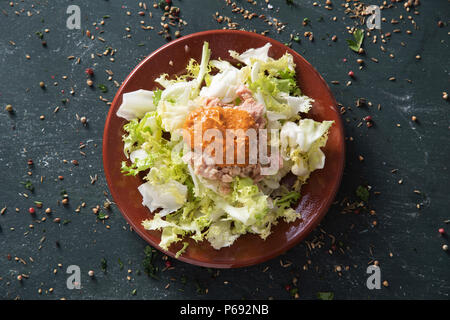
317 195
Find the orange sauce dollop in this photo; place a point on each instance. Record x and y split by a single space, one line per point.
221 119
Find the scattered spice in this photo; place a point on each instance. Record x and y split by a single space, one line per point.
103 265
103 88
147 263
325 295
362 193
89 71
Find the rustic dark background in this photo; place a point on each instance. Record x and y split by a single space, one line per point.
400 155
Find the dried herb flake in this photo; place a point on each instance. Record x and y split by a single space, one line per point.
356 42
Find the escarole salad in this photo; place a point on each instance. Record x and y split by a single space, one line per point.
190 192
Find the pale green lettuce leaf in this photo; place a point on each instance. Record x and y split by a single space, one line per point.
192 219
261 54
173 115
147 130
220 234
270 183
285 64
301 143
178 98
169 196
224 84
247 203
136 104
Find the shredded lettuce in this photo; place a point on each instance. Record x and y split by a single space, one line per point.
220 234
224 84
248 204
287 200
275 82
156 97
135 104
168 196
188 205
178 97
301 143
246 57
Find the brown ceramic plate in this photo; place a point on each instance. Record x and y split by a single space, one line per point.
317 194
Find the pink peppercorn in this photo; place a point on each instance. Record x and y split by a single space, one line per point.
31 210
367 118
441 231
351 74
89 71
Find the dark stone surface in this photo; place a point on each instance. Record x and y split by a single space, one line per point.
418 268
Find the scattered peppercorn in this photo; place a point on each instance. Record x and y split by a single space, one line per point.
31 210
351 74
9 108
42 84
441 231
89 71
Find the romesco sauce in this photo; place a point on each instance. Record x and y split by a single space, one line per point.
221 119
